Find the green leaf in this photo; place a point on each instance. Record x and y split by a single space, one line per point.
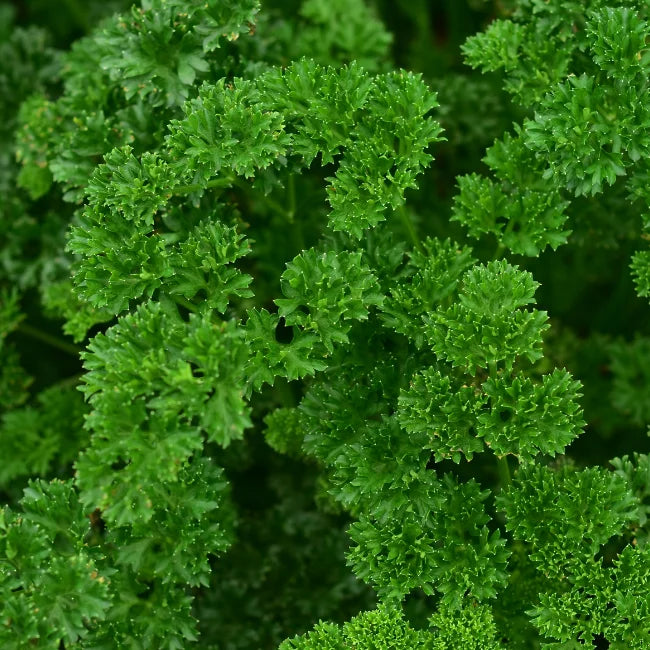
444 409
384 157
617 39
566 515
201 264
270 358
228 128
157 385
61 603
525 418
325 290
486 327
495 48
471 627
379 629
433 277
36 179
448 550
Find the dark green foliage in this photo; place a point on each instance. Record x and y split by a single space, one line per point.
14 381
591 598
629 368
446 411
38 439
525 219
189 383
252 599
61 602
355 332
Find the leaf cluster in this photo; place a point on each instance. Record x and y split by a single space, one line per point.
295 388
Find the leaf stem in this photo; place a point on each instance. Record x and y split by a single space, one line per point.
297 234
55 342
498 251
13 564
506 231
291 190
276 207
70 381
224 182
262 198
410 228
79 13
504 472
185 302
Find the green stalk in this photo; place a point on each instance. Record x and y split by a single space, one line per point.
185 302
291 190
53 341
297 234
70 381
408 224
276 207
270 203
79 13
504 472
197 187
498 251
506 231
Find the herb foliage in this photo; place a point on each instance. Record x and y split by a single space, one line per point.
302 348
